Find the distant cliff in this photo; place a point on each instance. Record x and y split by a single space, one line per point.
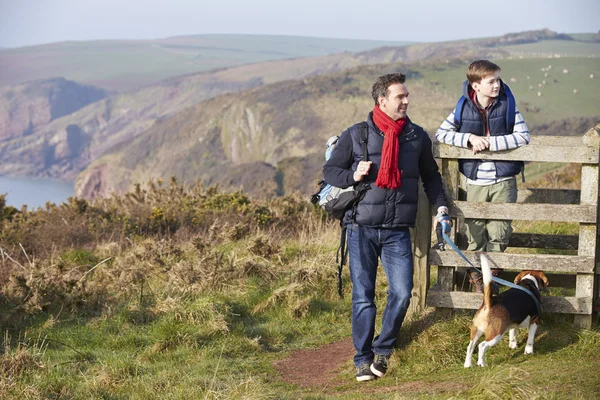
26 107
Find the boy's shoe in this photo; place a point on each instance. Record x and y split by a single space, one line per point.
476 279
363 373
380 365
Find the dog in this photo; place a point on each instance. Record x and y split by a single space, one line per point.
509 310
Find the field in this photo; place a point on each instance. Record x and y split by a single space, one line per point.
526 78
131 64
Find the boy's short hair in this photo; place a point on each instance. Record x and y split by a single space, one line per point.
480 69
382 84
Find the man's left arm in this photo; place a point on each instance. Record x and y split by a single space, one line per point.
430 175
519 136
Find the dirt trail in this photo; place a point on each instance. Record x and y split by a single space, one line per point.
316 368
319 370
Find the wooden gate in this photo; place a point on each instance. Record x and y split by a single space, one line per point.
575 271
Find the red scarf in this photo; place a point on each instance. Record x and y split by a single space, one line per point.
388 177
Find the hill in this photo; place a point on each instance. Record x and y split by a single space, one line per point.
119 118
128 64
108 125
269 140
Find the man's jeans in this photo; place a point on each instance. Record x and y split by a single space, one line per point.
365 246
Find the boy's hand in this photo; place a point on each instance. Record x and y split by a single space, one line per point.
362 169
479 143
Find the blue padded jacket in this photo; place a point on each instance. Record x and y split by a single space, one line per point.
387 208
472 122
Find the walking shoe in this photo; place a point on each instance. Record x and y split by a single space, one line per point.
364 373
495 285
380 365
476 279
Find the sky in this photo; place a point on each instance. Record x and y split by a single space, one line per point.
29 22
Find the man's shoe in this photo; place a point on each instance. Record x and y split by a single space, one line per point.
364 373
380 365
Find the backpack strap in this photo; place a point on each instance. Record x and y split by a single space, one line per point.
364 136
342 254
361 186
460 105
340 259
510 113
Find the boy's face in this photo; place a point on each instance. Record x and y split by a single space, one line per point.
489 86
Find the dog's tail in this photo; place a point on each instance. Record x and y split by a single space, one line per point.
486 271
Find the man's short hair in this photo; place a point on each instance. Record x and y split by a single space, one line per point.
480 69
381 87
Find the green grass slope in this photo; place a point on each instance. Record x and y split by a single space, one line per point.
190 293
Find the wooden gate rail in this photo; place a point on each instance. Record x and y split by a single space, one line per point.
536 204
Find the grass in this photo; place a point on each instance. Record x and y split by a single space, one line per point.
557 101
122 357
205 313
551 48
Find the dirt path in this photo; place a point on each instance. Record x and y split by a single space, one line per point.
319 370
316 368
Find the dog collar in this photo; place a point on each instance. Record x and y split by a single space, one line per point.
532 278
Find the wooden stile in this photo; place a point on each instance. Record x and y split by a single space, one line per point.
581 207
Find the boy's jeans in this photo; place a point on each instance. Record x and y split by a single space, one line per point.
365 246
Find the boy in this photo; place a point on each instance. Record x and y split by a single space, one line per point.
486 123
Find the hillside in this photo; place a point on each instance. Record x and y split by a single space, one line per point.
275 133
128 64
278 151
109 123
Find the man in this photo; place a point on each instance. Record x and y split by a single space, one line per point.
399 153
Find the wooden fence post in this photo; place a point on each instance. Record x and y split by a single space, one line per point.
421 243
590 182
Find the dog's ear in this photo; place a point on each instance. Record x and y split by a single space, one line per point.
543 280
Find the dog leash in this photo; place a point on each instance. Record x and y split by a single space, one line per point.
446 228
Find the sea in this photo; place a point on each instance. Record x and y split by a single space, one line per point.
34 192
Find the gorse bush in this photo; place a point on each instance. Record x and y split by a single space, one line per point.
162 240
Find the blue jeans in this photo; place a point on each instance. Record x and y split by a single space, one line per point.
365 246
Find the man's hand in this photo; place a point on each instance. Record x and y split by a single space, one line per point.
361 170
479 143
442 215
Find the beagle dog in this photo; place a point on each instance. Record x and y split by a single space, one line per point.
509 310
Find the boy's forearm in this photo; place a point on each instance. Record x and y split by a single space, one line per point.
447 133
519 136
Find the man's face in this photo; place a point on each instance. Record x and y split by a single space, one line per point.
489 86
396 103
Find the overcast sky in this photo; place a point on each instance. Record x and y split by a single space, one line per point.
27 22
